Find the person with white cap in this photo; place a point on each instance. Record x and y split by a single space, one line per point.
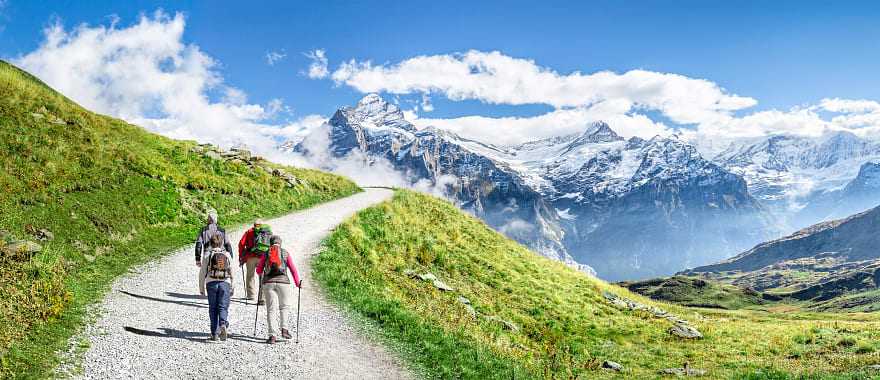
204 238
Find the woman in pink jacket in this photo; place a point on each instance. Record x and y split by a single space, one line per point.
277 289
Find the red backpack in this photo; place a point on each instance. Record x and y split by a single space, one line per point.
276 262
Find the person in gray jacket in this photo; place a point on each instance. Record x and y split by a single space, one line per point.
205 235
215 281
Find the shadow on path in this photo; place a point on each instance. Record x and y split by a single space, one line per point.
184 303
241 301
198 337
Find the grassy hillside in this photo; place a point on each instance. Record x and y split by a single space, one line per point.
697 292
113 195
536 318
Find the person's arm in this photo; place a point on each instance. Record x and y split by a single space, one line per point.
202 274
242 247
293 271
200 246
260 265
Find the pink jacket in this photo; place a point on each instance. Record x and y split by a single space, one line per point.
290 266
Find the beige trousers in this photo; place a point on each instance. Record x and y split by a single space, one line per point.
278 301
251 280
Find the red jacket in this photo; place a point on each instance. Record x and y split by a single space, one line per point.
245 245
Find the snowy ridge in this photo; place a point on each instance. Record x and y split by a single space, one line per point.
567 196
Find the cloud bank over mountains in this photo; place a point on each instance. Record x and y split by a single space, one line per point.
703 108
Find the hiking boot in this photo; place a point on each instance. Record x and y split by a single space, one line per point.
271 340
213 338
285 334
223 333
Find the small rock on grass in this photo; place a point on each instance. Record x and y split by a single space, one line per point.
685 331
506 324
683 371
440 285
608 364
23 246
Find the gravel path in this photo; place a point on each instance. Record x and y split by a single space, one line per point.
155 326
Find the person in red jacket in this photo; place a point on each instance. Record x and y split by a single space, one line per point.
248 256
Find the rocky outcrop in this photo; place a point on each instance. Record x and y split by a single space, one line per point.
244 157
680 327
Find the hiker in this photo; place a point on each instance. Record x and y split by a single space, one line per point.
277 289
253 244
205 235
215 281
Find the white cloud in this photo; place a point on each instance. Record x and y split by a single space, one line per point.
146 74
274 57
495 78
318 67
515 130
699 108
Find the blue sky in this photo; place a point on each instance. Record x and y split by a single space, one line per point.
781 54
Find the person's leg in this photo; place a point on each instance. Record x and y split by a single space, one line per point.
223 307
284 303
270 292
251 278
213 307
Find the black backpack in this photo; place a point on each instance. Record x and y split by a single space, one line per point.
218 264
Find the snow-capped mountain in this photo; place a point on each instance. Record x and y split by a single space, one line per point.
798 176
629 208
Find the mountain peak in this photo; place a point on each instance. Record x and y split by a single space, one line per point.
599 132
373 111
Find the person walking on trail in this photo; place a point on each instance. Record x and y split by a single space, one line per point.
215 281
278 292
253 244
209 230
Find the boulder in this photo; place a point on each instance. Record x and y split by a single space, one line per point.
44 234
608 364
470 309
440 285
464 300
428 277
685 371
508 325
685 331
21 246
213 155
240 152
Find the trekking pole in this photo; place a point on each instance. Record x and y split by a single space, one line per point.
257 313
298 296
243 284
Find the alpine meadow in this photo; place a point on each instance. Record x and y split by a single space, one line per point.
439 190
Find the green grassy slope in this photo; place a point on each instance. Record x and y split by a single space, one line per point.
696 292
562 325
114 195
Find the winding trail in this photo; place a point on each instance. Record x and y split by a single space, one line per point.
154 325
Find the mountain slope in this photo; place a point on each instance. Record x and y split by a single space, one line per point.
462 301
112 195
820 264
802 179
629 208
